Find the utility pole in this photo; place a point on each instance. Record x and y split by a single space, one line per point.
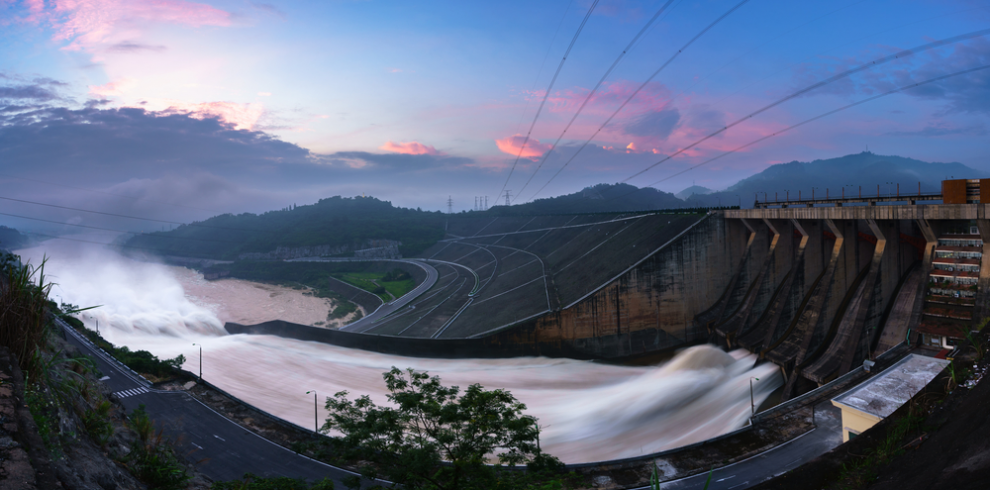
475 203
507 196
450 205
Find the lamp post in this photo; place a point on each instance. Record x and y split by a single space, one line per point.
752 402
200 361
888 189
316 423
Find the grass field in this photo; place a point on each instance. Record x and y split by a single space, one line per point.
373 282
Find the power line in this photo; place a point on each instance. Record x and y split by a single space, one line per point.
131 217
113 230
806 121
636 92
594 90
542 64
839 76
106 193
549 89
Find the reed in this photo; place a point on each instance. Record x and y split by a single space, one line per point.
24 323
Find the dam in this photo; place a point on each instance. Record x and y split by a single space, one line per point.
815 286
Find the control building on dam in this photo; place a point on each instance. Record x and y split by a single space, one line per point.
814 286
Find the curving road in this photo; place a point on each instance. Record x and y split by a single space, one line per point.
224 450
367 323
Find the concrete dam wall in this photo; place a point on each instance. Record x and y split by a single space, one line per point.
606 303
814 290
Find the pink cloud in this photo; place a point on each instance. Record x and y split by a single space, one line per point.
117 87
240 116
89 23
533 150
410 148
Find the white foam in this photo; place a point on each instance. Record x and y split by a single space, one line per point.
589 411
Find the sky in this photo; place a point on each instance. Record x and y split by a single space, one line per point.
179 110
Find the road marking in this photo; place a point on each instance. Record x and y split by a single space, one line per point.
739 485
197 445
130 392
104 378
726 478
218 437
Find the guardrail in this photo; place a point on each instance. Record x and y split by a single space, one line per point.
108 356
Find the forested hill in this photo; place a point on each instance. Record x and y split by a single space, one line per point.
11 239
335 221
601 198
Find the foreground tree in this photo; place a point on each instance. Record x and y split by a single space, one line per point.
434 439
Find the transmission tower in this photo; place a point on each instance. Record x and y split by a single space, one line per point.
507 196
450 205
486 203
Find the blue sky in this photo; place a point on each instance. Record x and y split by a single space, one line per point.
178 110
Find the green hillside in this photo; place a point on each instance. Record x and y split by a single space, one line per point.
335 221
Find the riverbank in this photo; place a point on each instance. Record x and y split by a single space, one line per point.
238 300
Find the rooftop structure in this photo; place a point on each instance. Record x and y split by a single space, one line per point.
869 403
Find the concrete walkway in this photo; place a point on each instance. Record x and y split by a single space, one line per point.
779 460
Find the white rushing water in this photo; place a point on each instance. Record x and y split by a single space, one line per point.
590 411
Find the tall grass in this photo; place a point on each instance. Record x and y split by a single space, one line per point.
23 320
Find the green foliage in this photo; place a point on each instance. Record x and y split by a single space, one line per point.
45 414
334 221
395 275
98 423
143 361
434 437
253 482
863 471
154 461
24 324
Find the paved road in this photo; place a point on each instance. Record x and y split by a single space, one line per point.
367 323
225 450
776 461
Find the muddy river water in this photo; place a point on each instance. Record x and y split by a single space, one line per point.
589 411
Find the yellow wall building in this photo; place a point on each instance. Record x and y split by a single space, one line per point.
873 400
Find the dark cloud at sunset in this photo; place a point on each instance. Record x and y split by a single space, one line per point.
224 107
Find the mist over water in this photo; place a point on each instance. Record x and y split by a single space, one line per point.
589 411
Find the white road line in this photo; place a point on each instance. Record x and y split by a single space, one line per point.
130 392
218 437
726 478
104 378
197 445
739 485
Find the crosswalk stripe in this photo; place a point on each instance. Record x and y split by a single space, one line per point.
130 392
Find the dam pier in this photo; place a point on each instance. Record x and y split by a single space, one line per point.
825 284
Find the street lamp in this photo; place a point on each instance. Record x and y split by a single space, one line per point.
888 189
316 423
200 361
752 402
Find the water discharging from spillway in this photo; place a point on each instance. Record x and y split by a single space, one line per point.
589 411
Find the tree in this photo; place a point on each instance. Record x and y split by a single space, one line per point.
434 439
